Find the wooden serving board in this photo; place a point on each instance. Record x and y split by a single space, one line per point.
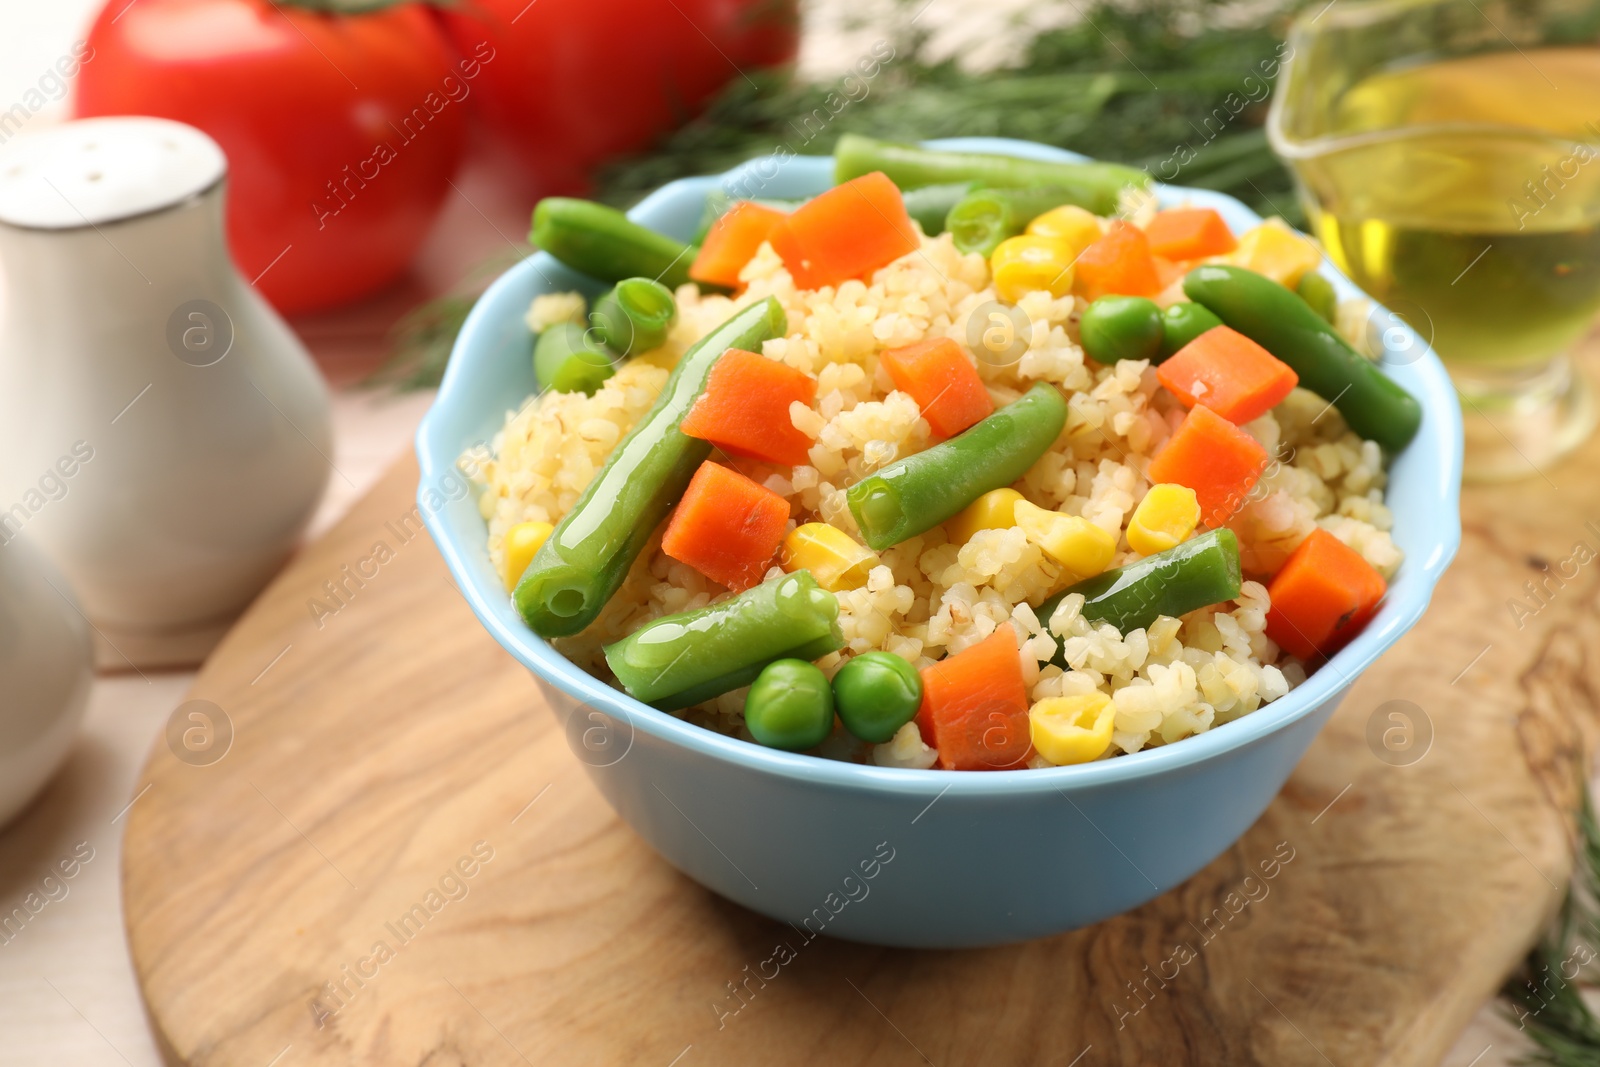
381 750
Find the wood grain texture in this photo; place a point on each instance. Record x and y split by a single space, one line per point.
374 752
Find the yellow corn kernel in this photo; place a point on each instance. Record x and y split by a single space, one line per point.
1080 546
991 511
1073 729
1022 264
1069 223
666 357
1277 251
1164 519
523 541
836 561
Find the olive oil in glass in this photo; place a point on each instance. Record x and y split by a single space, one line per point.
1463 193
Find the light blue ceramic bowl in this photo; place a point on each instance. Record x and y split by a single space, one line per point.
900 857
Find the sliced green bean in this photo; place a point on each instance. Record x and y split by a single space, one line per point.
930 204
635 316
985 217
685 659
567 360
587 556
919 492
604 243
1204 570
1095 186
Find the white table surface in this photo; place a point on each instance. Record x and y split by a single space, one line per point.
67 992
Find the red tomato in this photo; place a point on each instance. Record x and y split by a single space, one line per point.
341 131
578 82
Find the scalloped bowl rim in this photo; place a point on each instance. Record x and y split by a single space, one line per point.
1441 435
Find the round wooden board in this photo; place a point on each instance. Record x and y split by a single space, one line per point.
398 861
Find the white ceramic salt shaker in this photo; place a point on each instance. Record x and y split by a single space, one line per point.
163 435
46 666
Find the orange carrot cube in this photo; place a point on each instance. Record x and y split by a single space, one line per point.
975 706
727 527
745 408
1322 597
1119 264
847 232
937 374
1228 373
1216 459
1189 233
731 241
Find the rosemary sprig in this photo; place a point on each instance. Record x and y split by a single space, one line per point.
1545 997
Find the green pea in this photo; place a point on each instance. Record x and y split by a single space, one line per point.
790 706
1121 327
1182 323
876 693
1318 291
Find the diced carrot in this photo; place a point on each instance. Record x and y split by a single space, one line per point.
1229 373
941 379
1118 264
1189 233
745 408
1215 458
975 706
847 232
1322 597
727 527
731 241
1168 272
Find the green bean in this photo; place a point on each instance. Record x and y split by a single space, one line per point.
1096 186
1204 570
985 217
586 558
635 316
567 360
684 659
604 243
789 706
921 491
1278 320
728 681
1318 291
930 204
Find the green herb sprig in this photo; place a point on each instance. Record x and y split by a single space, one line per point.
1154 83
1545 997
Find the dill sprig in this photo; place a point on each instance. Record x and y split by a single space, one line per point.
1154 83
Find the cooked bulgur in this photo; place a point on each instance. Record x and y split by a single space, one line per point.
928 598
